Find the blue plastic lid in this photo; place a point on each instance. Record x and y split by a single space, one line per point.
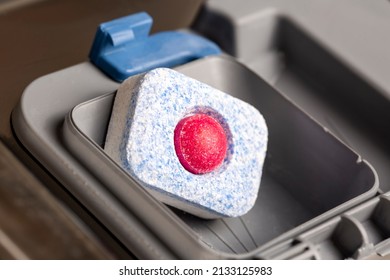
123 47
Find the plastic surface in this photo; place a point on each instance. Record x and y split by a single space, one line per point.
309 175
359 233
123 47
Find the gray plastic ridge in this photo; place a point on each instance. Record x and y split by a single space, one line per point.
359 233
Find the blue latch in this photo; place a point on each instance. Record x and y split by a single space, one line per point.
123 47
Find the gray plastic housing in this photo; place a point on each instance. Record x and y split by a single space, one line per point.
310 176
307 172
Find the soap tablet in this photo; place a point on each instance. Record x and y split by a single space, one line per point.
156 120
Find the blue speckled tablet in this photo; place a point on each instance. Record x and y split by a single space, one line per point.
140 138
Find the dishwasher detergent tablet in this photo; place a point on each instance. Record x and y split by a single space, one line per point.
192 146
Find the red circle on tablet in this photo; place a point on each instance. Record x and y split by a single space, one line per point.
200 143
